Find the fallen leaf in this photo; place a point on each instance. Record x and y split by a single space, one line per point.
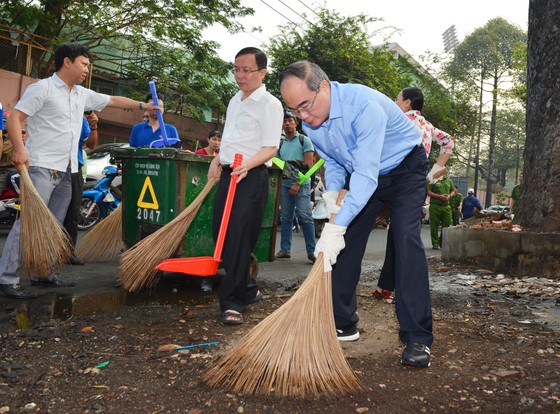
86 329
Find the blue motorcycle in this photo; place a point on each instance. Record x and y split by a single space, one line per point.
98 202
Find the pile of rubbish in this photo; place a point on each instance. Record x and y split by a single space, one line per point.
497 221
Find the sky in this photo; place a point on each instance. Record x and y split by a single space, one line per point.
421 22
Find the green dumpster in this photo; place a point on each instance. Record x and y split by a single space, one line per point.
159 183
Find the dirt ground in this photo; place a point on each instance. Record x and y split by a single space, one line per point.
496 350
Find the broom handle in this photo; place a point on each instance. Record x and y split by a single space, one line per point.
341 196
238 159
152 85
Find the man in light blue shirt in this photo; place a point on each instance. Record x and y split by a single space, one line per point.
373 150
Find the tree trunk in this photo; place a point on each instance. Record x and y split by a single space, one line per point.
477 156
492 144
540 191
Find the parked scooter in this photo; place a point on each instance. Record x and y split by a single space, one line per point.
319 212
9 201
99 201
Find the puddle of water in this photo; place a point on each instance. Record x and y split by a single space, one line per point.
171 290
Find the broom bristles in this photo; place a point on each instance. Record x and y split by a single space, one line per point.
137 269
293 352
103 243
44 246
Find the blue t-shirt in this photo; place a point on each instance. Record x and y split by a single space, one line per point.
294 149
469 205
142 134
1 116
86 130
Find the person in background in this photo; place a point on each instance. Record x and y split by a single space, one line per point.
88 136
252 129
440 193
144 133
411 102
470 204
295 197
455 203
515 194
214 142
6 150
1 124
372 149
54 109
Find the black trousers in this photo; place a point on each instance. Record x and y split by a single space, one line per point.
238 287
387 276
71 220
404 191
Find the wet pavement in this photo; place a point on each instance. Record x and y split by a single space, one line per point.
96 287
97 290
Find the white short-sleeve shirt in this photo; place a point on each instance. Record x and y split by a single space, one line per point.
251 124
55 121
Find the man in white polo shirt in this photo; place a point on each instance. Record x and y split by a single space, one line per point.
253 127
54 108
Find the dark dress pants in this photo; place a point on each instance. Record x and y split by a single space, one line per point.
71 219
238 287
404 191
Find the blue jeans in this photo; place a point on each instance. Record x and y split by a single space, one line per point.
299 203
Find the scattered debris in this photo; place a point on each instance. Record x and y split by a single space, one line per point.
530 286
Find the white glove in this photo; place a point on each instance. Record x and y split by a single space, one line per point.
330 198
436 173
330 243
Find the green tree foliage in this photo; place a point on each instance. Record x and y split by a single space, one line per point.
519 89
485 58
341 46
510 144
155 39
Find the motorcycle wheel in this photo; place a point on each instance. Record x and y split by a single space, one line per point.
85 221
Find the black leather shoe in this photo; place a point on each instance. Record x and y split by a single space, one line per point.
16 291
417 355
311 257
54 282
74 261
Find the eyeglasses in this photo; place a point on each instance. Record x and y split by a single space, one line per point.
237 71
306 107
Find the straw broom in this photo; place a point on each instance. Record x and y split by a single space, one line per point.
294 351
138 264
45 245
103 243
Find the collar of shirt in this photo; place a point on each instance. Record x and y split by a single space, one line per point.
255 95
59 83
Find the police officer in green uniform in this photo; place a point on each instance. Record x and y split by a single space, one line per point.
515 194
440 211
455 203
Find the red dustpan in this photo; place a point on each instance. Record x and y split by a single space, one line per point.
207 265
